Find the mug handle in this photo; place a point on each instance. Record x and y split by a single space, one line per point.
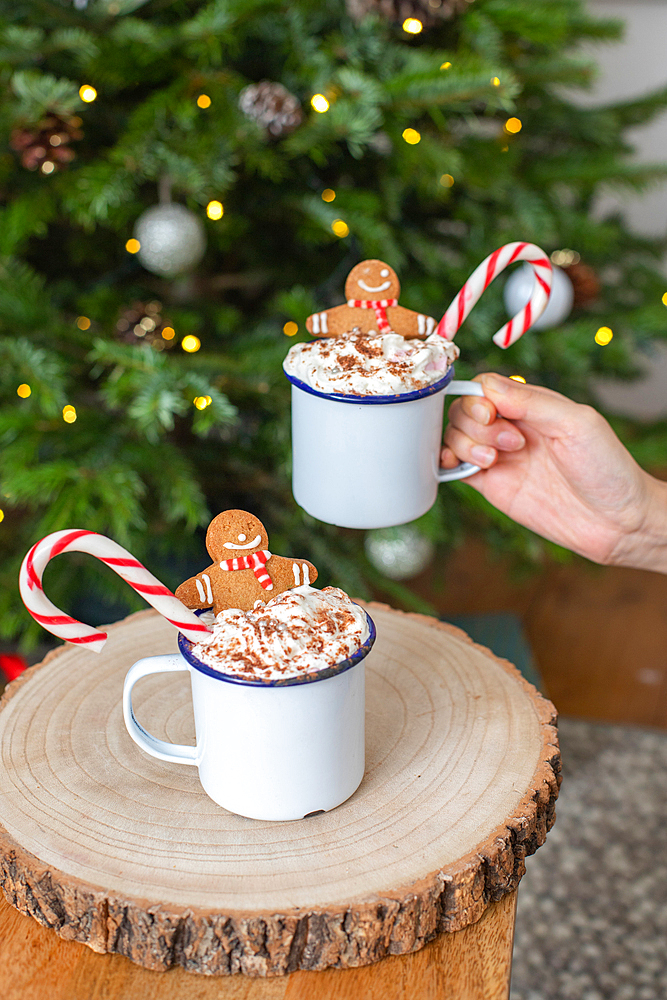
175 753
463 469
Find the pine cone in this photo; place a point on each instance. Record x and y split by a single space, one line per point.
46 146
429 12
585 282
272 106
143 322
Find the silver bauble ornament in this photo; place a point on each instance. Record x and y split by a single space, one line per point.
399 552
171 238
519 288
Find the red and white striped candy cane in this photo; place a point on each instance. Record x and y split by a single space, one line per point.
481 278
120 561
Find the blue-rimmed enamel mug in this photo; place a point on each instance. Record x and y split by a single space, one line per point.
272 750
371 461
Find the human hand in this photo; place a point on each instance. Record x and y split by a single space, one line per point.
557 467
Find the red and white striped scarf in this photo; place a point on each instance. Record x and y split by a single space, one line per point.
256 562
380 307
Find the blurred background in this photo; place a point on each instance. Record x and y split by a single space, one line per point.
183 183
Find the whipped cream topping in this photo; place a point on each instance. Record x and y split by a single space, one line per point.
367 364
301 631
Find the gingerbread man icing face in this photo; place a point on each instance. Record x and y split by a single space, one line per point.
372 279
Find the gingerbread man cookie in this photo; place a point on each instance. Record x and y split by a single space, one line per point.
243 569
372 289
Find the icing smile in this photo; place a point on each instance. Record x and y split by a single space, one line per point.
369 288
248 545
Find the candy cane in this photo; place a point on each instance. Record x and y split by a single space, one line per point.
120 561
481 278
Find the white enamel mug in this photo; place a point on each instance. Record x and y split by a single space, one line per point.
371 461
272 750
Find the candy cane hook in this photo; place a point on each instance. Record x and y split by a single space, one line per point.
121 562
481 278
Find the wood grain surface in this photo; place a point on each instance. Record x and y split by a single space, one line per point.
127 854
470 964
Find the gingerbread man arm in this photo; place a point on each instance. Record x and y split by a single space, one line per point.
339 319
197 592
287 573
410 324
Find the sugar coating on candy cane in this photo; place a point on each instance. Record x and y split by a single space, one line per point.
482 277
121 562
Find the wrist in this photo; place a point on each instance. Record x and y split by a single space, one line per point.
645 547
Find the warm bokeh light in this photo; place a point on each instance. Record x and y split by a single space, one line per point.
215 210
133 246
191 343
47 167
664 299
603 336
447 180
412 26
291 328
565 257
340 228
513 125
168 333
24 390
446 65
2 515
83 323
69 414
87 93
319 103
201 402
517 378
328 194
411 136
495 80
203 101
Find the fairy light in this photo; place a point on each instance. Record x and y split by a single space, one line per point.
603 336
565 257
291 328
83 323
495 80
319 103
340 228
412 26
446 65
87 93
447 180
24 390
2 515
513 125
411 136
168 333
69 414
518 378
328 195
47 167
215 210
664 299
191 343
133 246
201 402
203 101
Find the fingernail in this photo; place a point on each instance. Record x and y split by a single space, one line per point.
482 455
498 383
510 440
480 413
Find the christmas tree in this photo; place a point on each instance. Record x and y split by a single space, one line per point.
182 184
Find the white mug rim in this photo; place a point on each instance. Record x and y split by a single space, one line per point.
403 397
185 646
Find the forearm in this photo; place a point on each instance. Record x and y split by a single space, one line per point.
646 546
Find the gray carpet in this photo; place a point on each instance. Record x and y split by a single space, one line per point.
592 915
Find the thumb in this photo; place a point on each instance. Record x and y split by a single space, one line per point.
547 411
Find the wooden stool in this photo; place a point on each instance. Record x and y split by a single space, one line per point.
126 854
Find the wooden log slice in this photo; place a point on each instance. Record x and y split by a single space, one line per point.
127 854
